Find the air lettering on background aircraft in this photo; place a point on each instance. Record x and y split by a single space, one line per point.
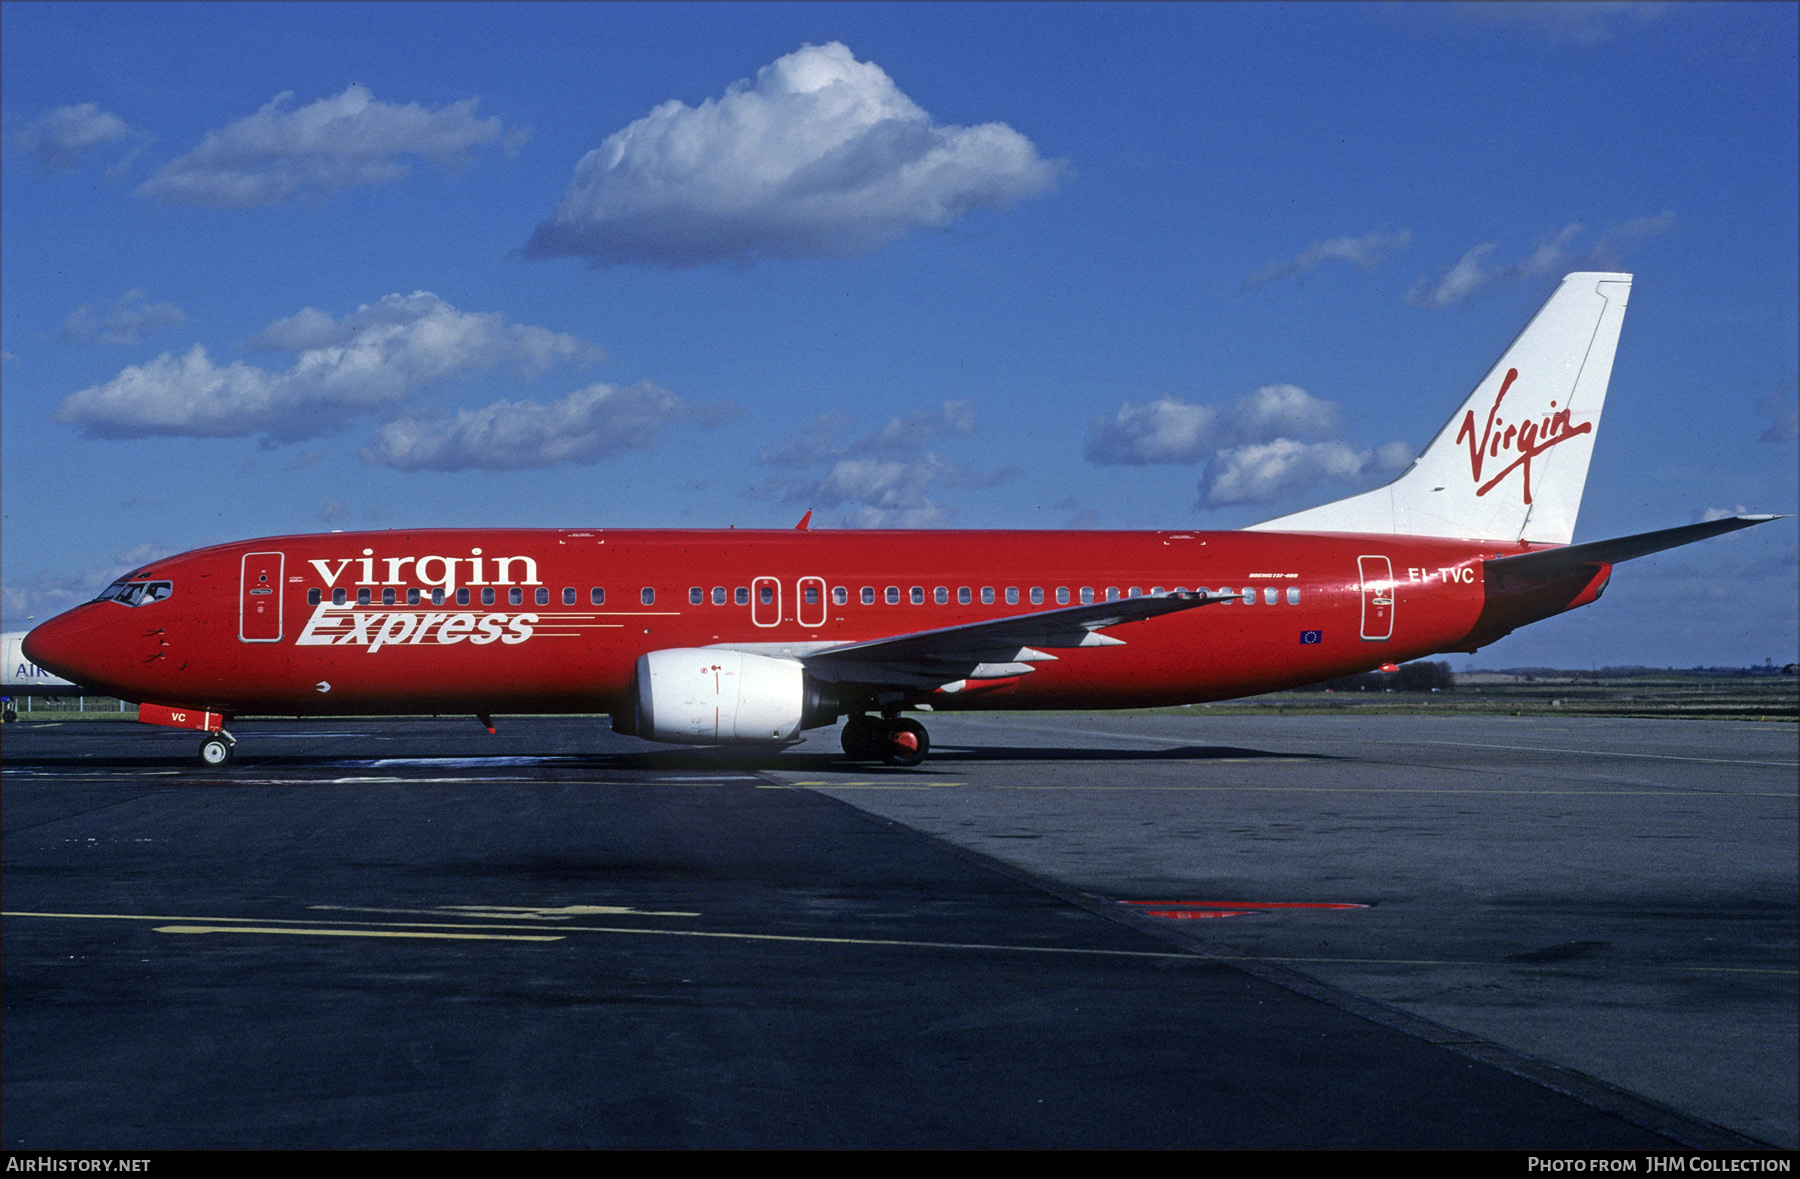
1530 439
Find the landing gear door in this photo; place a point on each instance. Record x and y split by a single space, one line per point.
259 598
1377 598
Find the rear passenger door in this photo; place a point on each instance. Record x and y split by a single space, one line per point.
1377 598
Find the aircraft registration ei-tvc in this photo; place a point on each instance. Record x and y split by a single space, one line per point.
749 637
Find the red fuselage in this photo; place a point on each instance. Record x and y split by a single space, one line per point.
494 621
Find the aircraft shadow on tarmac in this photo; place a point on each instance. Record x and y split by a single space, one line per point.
942 755
422 761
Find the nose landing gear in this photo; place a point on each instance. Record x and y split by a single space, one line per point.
218 749
898 741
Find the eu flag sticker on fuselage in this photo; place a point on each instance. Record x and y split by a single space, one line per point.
1309 637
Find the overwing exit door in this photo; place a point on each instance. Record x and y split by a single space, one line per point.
765 601
809 601
1377 598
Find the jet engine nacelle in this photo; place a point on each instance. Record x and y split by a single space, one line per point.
702 696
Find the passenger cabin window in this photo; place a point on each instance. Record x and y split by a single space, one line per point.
568 595
1087 594
387 597
1249 595
1037 595
918 595
487 596
1293 595
719 595
893 595
596 596
1062 595
741 595
962 596
515 596
437 597
462 596
765 594
811 595
941 595
696 596
313 597
412 596
839 595
362 597
1012 595
868 595
338 596
1269 593
987 595
648 596
1112 593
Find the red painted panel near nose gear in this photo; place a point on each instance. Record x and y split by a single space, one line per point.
181 718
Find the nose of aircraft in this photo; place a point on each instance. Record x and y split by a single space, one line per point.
57 646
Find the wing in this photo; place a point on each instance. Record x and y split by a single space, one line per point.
997 649
1549 564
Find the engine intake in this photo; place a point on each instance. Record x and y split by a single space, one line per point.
705 696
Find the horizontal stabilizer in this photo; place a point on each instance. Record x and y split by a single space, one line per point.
1553 563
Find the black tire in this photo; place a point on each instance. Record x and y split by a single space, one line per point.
904 742
862 737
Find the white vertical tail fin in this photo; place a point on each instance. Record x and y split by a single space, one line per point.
1512 462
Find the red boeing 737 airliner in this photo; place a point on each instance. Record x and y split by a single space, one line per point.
743 637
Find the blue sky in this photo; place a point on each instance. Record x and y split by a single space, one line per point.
284 268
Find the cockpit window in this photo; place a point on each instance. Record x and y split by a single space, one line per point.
136 593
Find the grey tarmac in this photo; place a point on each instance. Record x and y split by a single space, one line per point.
410 933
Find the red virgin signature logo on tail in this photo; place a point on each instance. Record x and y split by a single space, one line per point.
1527 440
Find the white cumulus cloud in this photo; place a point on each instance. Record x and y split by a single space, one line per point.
819 155
347 140
1266 471
375 356
1455 284
886 478
1166 430
588 425
1362 252
1169 430
1553 255
60 138
130 319
1270 443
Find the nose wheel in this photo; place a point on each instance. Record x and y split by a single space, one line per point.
217 750
898 741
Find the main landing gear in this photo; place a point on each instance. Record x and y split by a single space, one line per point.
896 740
